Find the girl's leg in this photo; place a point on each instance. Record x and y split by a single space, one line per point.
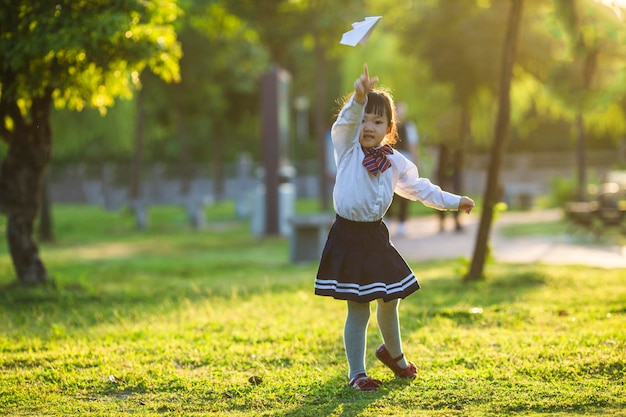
389 325
355 336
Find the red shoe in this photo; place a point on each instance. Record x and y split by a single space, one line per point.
410 372
362 382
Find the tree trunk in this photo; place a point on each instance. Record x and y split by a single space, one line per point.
491 194
21 180
135 189
589 69
137 204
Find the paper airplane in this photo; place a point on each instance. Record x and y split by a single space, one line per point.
360 32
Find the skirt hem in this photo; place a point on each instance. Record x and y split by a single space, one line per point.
369 297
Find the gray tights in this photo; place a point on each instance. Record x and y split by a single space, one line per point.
355 332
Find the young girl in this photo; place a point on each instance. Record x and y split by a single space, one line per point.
359 264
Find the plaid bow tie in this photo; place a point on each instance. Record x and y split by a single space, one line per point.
376 159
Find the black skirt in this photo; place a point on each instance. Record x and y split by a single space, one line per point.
359 263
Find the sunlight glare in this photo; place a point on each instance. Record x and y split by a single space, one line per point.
616 5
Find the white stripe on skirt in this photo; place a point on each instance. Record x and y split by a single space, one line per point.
361 290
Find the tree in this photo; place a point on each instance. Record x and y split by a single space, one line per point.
460 57
459 43
74 54
501 132
217 100
595 36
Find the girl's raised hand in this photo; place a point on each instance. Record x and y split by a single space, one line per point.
363 85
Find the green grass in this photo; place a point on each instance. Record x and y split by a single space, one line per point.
537 229
176 322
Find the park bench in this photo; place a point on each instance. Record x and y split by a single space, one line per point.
581 213
606 210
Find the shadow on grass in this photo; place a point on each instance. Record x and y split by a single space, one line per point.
84 302
335 398
348 402
123 294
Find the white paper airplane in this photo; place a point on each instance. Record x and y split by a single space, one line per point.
360 32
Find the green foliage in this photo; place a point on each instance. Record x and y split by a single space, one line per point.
216 100
177 322
434 56
459 56
302 37
88 52
90 137
83 54
588 80
461 45
215 106
562 190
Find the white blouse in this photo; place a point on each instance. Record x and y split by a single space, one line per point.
363 197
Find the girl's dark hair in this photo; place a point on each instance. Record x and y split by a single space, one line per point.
380 102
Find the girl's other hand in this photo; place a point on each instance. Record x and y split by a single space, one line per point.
363 85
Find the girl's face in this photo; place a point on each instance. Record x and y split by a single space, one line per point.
374 128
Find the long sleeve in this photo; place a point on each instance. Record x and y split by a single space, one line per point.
410 185
360 196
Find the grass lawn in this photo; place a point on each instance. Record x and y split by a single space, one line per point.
176 322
